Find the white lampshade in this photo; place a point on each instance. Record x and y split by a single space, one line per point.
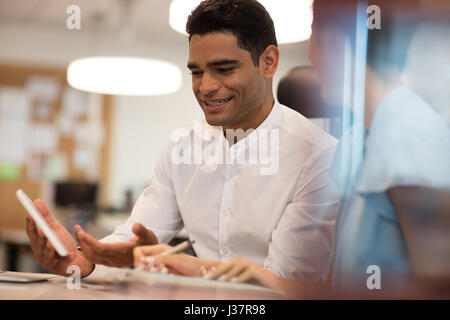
124 76
292 18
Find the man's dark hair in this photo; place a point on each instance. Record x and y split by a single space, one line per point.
386 47
247 20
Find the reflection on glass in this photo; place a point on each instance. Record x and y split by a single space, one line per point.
395 156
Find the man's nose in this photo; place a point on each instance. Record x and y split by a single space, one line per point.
209 85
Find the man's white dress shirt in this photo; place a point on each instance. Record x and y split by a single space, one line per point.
271 201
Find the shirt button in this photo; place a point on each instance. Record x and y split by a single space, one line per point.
225 212
223 251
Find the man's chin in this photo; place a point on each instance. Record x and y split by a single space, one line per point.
215 121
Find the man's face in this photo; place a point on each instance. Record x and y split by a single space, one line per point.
228 86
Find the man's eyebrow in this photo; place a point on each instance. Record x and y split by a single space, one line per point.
215 63
222 62
193 66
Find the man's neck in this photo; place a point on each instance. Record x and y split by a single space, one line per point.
263 113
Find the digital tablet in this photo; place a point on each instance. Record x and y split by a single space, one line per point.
41 223
24 277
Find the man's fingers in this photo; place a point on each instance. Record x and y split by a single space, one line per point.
235 270
151 250
36 236
180 264
44 254
49 252
34 228
87 238
150 256
220 270
245 276
41 233
145 236
45 212
141 252
102 253
88 253
169 260
31 231
255 276
85 244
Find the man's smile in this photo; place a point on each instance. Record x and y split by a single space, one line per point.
216 104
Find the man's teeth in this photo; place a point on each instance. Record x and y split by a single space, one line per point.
218 103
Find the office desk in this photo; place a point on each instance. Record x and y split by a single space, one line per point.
56 289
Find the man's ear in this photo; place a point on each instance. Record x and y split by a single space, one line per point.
268 61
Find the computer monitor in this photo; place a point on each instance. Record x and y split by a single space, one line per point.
76 194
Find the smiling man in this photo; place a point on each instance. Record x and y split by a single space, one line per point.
232 90
283 220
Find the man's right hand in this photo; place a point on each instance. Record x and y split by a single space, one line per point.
116 254
44 252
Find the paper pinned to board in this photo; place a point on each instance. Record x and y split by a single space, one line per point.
42 88
83 158
97 133
56 167
81 134
43 138
66 124
75 103
13 142
43 111
14 104
35 166
14 122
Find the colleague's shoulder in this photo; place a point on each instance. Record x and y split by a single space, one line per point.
301 129
405 119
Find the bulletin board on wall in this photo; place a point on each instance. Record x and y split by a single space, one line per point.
48 132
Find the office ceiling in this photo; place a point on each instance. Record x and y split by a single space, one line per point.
148 17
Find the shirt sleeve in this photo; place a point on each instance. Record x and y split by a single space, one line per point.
156 207
302 244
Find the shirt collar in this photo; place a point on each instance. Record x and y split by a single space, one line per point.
272 118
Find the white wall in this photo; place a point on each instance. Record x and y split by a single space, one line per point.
141 125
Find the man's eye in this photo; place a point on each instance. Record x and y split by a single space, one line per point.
225 69
195 73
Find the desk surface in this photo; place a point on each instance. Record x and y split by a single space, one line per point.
57 289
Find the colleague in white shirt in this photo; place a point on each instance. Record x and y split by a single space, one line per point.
261 194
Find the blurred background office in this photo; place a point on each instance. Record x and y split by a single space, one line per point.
83 134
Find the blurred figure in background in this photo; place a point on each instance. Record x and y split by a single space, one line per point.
399 146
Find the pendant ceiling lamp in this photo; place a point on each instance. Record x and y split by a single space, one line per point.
124 75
